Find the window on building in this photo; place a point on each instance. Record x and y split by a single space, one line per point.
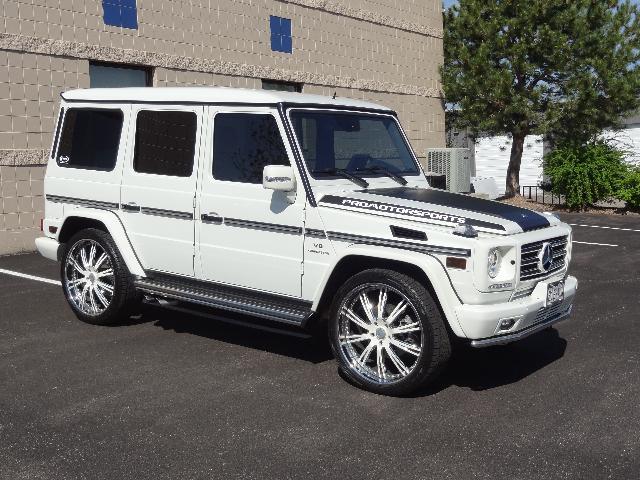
243 144
103 75
90 139
281 40
120 13
281 86
165 143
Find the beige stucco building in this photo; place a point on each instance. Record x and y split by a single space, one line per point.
386 51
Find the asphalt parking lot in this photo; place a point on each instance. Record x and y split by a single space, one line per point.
175 396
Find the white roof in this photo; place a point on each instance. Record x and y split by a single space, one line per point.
209 95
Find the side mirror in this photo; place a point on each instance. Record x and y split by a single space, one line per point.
279 178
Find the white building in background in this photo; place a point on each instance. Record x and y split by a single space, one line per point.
628 139
492 159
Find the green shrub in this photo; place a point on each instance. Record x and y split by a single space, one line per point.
629 190
586 174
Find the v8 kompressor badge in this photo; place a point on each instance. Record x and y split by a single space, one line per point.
390 208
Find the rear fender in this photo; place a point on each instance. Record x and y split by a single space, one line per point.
114 227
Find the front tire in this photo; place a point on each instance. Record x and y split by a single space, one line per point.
387 333
95 279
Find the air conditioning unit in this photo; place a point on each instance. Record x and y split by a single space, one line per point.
454 164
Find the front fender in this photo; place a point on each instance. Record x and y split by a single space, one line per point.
114 227
429 264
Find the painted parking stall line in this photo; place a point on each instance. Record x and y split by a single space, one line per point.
30 277
598 244
604 227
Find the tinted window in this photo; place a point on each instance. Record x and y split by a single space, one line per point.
107 76
358 143
165 143
90 139
243 144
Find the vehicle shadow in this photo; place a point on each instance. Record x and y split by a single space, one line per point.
487 368
476 369
258 335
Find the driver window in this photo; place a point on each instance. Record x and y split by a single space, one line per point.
243 144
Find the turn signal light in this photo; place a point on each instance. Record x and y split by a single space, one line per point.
455 262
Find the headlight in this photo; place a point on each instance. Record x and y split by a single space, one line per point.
493 262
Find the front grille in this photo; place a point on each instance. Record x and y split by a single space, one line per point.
529 258
522 293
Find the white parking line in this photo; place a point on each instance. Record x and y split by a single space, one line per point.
599 244
30 277
607 228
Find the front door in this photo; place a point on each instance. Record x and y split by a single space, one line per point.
248 236
159 186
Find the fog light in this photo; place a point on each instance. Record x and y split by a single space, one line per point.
506 324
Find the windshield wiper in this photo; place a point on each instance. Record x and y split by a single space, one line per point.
388 173
344 173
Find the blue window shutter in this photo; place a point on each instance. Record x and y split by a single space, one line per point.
285 27
274 24
129 17
111 14
281 39
287 44
120 13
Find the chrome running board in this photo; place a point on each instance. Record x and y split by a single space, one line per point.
272 307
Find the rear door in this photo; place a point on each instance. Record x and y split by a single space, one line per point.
159 185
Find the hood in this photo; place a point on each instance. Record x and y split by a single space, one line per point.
429 205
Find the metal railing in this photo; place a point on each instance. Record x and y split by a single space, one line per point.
539 195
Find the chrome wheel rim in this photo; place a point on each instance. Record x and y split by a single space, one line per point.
380 333
89 278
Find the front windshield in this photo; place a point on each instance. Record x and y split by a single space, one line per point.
357 143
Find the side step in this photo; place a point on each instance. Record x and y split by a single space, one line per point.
263 305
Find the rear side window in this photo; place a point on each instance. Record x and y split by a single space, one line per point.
90 139
243 144
165 143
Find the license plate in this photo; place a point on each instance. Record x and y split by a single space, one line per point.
555 293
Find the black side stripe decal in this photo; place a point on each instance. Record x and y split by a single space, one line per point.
385 242
312 232
271 227
160 212
83 202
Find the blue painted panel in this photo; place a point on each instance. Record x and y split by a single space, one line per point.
287 44
281 40
111 14
129 17
285 27
120 13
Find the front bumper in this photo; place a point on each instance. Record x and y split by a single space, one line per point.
481 323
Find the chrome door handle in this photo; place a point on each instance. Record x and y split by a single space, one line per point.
211 218
130 207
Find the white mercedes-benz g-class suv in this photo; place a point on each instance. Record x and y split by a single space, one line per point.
298 209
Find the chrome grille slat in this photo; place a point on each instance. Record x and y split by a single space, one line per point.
529 258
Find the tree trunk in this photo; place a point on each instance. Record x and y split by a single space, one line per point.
513 172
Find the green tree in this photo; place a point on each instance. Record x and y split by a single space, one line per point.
568 68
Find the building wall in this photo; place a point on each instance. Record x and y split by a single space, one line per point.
386 51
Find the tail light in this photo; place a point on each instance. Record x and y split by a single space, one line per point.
42 224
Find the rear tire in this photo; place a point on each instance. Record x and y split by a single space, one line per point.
95 279
387 333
